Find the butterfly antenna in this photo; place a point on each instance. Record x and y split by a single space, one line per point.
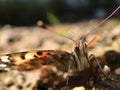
100 23
42 25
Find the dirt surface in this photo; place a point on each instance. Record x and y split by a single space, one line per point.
19 39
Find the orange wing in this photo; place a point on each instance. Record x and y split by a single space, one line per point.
32 60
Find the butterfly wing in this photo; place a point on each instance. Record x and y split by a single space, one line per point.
32 60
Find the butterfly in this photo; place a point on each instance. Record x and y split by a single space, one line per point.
58 68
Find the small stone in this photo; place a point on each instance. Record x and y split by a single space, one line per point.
117 71
79 88
7 80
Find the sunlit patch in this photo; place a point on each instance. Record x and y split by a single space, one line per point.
5 59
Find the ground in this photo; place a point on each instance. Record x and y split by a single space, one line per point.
17 39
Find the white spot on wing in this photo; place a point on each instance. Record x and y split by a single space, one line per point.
3 65
5 59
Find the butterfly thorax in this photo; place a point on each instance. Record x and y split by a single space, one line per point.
81 56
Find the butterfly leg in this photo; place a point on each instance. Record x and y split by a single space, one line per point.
67 78
96 64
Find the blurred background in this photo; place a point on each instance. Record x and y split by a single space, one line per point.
18 20
72 18
28 12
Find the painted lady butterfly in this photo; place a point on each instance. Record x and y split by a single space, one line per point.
58 68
